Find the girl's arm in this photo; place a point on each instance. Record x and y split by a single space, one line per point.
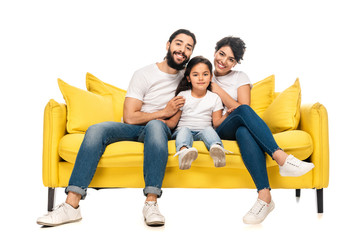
243 93
218 118
173 121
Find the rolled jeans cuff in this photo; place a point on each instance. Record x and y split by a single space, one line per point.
77 190
152 190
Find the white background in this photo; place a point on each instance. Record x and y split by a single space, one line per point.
41 41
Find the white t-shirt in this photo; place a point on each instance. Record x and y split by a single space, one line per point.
153 87
197 112
231 82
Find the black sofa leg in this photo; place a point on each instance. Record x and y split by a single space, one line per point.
297 192
51 199
320 200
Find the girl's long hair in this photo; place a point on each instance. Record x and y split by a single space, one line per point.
184 83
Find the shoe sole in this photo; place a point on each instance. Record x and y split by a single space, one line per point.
57 224
187 160
296 174
155 223
218 156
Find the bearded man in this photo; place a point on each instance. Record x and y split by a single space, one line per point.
150 96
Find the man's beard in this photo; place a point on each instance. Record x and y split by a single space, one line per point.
171 62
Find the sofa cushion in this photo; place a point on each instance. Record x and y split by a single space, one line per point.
95 85
262 94
284 112
130 154
85 108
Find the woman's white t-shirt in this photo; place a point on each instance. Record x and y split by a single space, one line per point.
153 87
231 82
197 112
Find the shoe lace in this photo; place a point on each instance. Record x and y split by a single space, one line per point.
153 208
59 206
54 210
181 151
227 151
294 163
257 208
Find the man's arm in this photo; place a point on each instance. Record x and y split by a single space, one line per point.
133 114
173 121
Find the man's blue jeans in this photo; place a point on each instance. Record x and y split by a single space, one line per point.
185 137
155 135
254 138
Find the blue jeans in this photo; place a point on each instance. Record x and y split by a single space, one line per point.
185 137
254 138
155 135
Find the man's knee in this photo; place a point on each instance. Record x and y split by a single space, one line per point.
98 129
157 126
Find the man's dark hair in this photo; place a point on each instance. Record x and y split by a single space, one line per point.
236 44
184 31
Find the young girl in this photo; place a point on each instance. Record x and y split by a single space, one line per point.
195 120
247 128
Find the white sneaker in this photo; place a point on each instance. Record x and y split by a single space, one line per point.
186 157
64 213
258 212
152 215
294 167
217 153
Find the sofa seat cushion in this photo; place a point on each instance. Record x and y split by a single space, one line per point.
130 154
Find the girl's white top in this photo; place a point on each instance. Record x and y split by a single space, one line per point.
197 112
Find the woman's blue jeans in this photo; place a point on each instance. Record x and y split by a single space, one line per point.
254 138
155 135
185 137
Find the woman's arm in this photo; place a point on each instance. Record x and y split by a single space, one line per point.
243 93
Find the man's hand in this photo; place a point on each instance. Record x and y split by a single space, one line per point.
133 114
173 106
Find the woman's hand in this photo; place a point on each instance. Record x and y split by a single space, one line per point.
215 88
231 110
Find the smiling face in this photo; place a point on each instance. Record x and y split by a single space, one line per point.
179 51
200 77
224 61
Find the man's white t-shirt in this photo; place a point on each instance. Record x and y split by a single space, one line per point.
153 87
231 82
197 112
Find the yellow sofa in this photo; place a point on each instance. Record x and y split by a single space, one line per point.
121 163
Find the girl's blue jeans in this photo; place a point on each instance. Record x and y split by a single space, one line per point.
155 135
254 138
185 137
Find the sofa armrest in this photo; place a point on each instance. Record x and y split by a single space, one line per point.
314 120
54 130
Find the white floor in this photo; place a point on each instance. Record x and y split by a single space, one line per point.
189 213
